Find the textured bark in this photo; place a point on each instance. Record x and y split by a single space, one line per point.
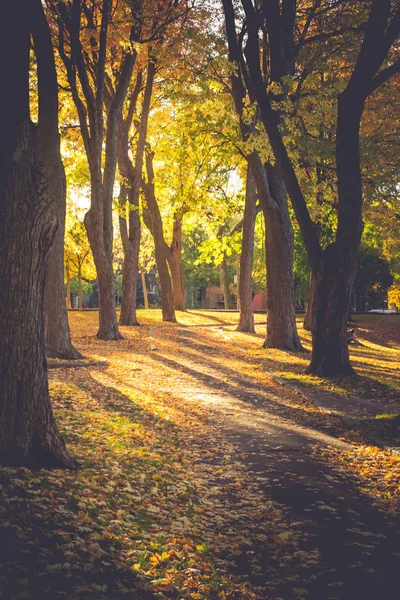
281 322
28 223
246 319
130 244
337 268
308 317
224 285
144 286
281 328
333 285
153 221
57 333
174 257
132 173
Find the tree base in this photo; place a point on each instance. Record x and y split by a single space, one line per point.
68 354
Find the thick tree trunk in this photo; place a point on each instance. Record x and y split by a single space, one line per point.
224 285
130 243
174 258
144 286
333 285
338 264
102 255
167 299
246 320
57 333
281 322
28 222
153 221
308 317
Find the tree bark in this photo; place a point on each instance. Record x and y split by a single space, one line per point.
338 264
153 221
281 321
57 333
28 223
130 244
144 286
308 317
281 328
246 319
174 257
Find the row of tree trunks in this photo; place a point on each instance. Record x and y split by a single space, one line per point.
29 215
246 315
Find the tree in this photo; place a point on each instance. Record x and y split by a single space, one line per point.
82 57
246 318
28 223
281 323
153 221
334 266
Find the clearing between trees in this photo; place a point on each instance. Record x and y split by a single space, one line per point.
212 468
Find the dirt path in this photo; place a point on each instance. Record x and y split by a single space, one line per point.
358 543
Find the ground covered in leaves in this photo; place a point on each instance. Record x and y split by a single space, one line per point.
186 439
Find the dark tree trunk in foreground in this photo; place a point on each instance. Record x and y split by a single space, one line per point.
28 222
224 285
174 258
308 317
246 319
338 263
57 333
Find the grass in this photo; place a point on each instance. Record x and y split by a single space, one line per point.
163 504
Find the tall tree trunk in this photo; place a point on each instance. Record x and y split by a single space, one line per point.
28 222
224 285
174 258
281 322
130 243
246 320
153 221
132 173
57 333
108 327
308 317
167 299
144 286
338 264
